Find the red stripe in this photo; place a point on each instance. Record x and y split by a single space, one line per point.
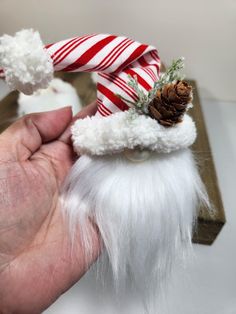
143 62
155 55
156 66
150 70
101 112
113 58
72 44
99 101
124 83
73 48
99 109
105 109
135 55
147 65
48 46
122 86
89 54
62 48
110 55
112 97
150 73
141 81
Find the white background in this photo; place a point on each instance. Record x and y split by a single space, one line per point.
204 31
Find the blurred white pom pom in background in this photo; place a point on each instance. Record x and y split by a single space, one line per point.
59 94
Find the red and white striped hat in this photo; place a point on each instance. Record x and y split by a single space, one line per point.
28 65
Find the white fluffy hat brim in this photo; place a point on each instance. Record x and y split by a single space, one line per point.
107 135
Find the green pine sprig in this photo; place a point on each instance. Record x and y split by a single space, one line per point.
171 75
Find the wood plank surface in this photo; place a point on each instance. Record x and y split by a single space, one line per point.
208 226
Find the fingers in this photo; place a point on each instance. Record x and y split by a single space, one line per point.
27 134
87 111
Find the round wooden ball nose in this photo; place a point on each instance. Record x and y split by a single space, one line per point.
136 155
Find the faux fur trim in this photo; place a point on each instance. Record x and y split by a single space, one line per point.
106 135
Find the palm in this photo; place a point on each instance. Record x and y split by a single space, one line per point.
35 255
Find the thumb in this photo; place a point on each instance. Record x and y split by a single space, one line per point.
89 110
27 134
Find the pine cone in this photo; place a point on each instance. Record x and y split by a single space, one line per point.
170 103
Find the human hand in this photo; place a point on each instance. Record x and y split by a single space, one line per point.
36 262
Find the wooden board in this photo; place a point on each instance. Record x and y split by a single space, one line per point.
208 227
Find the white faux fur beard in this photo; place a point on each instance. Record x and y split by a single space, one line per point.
145 213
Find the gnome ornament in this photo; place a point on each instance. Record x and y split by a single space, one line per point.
135 177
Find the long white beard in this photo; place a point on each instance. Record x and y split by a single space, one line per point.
145 212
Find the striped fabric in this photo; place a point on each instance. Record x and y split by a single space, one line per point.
114 58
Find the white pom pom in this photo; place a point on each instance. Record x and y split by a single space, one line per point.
26 64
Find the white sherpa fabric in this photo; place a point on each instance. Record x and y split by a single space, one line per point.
26 64
106 135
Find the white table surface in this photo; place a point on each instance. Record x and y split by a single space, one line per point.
208 283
